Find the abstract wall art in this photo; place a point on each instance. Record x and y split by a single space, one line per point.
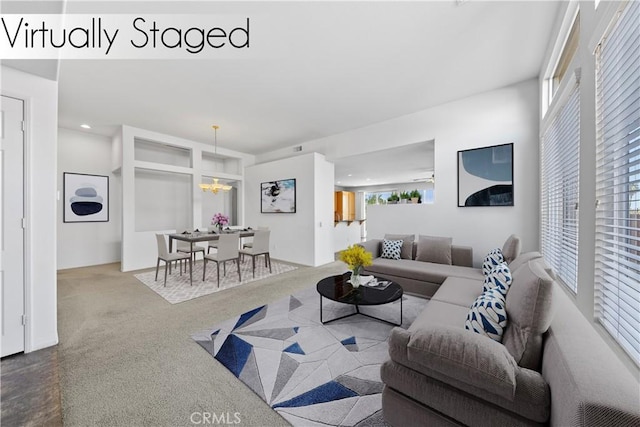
85 198
485 176
278 196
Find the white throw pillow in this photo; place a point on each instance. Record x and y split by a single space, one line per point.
499 278
391 249
493 258
488 315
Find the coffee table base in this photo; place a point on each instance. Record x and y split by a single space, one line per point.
324 322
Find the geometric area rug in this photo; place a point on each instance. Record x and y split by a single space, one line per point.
311 374
179 289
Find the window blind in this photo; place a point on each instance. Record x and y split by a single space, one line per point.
560 170
617 262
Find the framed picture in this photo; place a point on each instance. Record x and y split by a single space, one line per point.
85 198
278 196
485 176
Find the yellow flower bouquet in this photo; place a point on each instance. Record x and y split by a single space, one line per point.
356 257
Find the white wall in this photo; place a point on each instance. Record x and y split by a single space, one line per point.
497 117
304 237
323 201
138 248
501 116
87 243
41 96
345 234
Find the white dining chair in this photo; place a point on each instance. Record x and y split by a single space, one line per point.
212 244
260 247
168 258
227 251
186 247
250 244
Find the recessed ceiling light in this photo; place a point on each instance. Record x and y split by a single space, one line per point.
350 175
337 182
85 126
368 179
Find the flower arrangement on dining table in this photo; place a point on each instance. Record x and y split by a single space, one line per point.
220 220
356 257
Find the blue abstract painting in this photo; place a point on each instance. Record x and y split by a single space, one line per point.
485 176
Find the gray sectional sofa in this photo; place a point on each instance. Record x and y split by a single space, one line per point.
552 367
421 277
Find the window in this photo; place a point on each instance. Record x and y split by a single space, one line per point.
379 198
562 56
560 169
568 52
617 261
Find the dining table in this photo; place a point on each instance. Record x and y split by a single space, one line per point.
205 236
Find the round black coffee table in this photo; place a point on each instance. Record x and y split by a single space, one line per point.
337 288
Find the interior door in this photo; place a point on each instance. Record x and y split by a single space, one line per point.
12 229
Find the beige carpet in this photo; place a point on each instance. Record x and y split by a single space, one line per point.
127 359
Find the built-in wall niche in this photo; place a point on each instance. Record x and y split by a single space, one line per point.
225 202
406 164
163 200
156 152
217 163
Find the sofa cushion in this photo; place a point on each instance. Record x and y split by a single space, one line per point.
492 260
459 291
511 248
471 359
488 315
407 244
423 271
440 313
499 278
391 249
434 249
522 259
529 307
530 405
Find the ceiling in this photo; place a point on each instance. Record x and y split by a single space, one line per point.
314 69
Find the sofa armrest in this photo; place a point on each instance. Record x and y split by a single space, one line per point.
458 354
372 246
462 255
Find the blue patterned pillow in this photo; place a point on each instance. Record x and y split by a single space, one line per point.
391 249
499 278
493 258
488 315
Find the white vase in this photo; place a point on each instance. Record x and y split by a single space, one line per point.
355 280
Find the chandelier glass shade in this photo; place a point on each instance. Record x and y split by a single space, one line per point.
215 186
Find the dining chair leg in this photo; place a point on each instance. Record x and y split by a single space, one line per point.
224 268
157 267
218 270
204 268
253 265
190 272
238 265
269 258
165 272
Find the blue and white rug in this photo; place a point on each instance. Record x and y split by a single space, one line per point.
311 374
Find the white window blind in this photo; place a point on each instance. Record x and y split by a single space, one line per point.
617 263
560 170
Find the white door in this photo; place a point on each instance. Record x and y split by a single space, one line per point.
11 230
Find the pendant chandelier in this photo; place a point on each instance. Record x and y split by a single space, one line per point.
215 186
